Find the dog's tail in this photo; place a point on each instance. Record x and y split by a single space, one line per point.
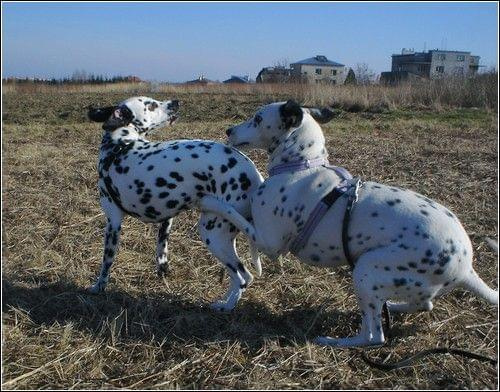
255 259
212 204
227 211
475 284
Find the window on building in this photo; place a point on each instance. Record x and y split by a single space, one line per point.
304 73
421 68
441 57
440 69
334 72
318 71
460 57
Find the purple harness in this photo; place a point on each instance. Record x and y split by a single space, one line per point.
325 203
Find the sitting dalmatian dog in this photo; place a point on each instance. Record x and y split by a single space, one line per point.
401 245
154 182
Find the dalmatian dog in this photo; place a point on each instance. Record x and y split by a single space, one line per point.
405 247
154 182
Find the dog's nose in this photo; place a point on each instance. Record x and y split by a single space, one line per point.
174 105
229 131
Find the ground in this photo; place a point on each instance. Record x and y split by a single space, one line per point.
150 333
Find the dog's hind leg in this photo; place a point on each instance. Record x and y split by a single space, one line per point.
162 247
111 240
371 332
372 288
219 236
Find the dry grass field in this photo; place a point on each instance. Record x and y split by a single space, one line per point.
148 333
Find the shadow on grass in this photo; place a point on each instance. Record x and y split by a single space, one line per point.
168 318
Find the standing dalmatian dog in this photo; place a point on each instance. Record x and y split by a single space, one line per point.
156 181
403 246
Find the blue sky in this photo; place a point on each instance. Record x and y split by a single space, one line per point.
179 41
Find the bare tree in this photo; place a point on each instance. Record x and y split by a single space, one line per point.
282 63
364 75
79 76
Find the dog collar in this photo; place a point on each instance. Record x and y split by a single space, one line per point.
297 166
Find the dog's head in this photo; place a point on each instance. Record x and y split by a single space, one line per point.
273 121
145 114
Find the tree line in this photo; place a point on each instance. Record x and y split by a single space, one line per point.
78 77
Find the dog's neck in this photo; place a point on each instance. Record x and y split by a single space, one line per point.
299 144
123 135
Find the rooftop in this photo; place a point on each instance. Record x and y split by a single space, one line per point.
201 80
236 78
319 60
406 52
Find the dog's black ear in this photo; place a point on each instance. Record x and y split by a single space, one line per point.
323 115
100 114
120 117
291 114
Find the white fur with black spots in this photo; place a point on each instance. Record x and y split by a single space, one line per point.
154 182
407 248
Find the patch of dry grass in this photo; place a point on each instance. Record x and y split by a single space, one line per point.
480 91
150 333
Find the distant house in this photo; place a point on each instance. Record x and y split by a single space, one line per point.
319 69
274 75
237 79
433 64
201 81
132 79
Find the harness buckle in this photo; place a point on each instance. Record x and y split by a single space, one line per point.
355 194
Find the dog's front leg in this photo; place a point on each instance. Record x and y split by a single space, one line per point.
111 240
162 247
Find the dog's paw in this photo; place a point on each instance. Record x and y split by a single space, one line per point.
162 270
221 306
354 341
326 341
96 288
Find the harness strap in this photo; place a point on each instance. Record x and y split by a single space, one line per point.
321 208
345 223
